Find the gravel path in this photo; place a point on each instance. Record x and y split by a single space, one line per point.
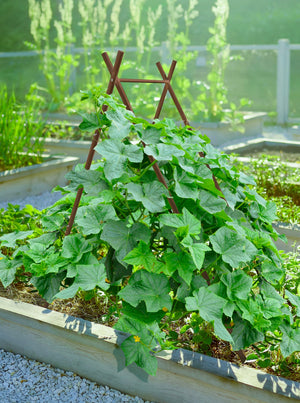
26 381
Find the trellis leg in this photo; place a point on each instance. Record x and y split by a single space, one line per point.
165 90
110 87
172 93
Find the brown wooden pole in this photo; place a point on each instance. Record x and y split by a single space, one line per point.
172 93
118 85
165 90
142 80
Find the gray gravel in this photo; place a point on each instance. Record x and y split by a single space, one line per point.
25 381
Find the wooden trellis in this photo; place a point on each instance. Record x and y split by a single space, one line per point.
115 81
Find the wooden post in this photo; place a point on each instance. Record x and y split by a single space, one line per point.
283 81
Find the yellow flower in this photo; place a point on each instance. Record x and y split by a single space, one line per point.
165 309
107 281
137 339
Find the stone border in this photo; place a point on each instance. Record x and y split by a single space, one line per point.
91 350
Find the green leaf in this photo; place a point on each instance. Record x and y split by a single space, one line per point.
90 219
238 285
74 246
261 239
186 219
294 299
90 122
151 288
252 313
92 181
140 354
89 277
139 313
185 185
10 240
290 341
48 285
197 251
244 334
210 308
272 272
37 252
53 222
124 238
182 262
210 202
137 348
117 154
220 290
230 196
120 127
150 135
234 249
163 152
148 332
46 239
51 264
143 256
266 214
8 269
150 194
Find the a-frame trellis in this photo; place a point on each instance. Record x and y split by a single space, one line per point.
115 81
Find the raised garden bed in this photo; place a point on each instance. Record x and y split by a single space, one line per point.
35 179
221 133
91 350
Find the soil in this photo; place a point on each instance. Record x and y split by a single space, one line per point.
98 312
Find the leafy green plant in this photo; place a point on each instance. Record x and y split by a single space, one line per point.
276 181
19 125
14 219
212 101
57 65
212 265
